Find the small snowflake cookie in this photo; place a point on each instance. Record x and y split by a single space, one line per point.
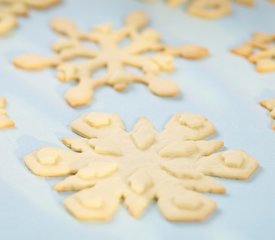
269 104
144 51
260 50
210 9
5 121
11 9
108 165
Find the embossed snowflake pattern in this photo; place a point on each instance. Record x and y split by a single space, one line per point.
109 165
269 104
144 51
10 10
259 50
209 9
5 121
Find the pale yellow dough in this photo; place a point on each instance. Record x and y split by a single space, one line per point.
11 9
269 104
260 51
113 57
109 165
5 121
210 9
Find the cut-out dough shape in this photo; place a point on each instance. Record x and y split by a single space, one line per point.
11 9
260 50
269 104
109 165
144 51
5 121
209 9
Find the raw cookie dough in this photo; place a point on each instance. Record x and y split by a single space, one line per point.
11 9
209 9
260 51
269 104
144 51
5 121
109 165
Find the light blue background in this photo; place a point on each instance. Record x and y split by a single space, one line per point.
223 87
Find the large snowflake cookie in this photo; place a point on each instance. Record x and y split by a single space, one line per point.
210 9
5 121
11 9
109 165
144 51
269 104
260 50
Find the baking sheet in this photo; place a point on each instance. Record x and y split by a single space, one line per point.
223 87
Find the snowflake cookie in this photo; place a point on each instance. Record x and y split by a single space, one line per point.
210 9
5 122
11 9
269 104
144 51
260 50
109 165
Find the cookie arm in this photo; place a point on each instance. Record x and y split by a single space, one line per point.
232 164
